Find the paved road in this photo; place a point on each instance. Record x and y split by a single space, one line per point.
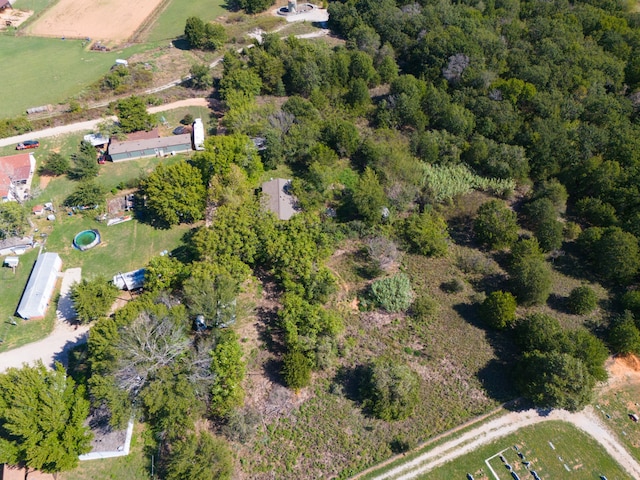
587 421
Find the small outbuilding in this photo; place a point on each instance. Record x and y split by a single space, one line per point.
38 210
278 198
42 282
130 280
11 262
634 417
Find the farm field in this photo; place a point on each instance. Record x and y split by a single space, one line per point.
170 23
113 21
555 450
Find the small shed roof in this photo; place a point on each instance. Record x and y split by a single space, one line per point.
150 143
279 199
130 280
11 261
95 139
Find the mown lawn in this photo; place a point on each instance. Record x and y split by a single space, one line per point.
582 455
135 466
124 247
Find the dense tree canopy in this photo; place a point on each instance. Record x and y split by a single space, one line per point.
391 390
175 194
133 116
42 415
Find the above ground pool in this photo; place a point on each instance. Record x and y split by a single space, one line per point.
86 239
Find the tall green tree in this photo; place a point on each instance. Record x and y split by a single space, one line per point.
496 226
42 415
391 390
624 335
93 299
369 197
87 194
175 194
427 234
499 309
133 116
554 379
55 164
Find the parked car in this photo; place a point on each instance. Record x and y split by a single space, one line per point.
28 144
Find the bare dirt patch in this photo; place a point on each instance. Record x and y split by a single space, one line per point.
623 371
112 21
44 181
13 18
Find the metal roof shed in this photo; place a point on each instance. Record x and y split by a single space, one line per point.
39 289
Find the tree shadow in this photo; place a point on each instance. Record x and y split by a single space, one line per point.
460 230
570 263
185 253
497 375
63 355
490 283
181 43
352 380
272 369
558 303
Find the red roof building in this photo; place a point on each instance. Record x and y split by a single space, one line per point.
16 172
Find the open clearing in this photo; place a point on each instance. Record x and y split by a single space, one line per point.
108 21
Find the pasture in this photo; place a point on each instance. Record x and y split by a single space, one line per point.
554 449
67 67
29 64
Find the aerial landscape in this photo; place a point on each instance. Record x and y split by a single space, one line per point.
349 239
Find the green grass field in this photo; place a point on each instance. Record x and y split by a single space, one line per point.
582 455
170 23
64 67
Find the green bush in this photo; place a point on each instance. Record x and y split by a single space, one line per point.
582 300
296 370
391 390
392 294
499 309
496 226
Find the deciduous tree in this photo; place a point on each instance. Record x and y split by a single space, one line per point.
495 225
175 194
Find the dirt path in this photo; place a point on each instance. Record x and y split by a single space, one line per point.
91 124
